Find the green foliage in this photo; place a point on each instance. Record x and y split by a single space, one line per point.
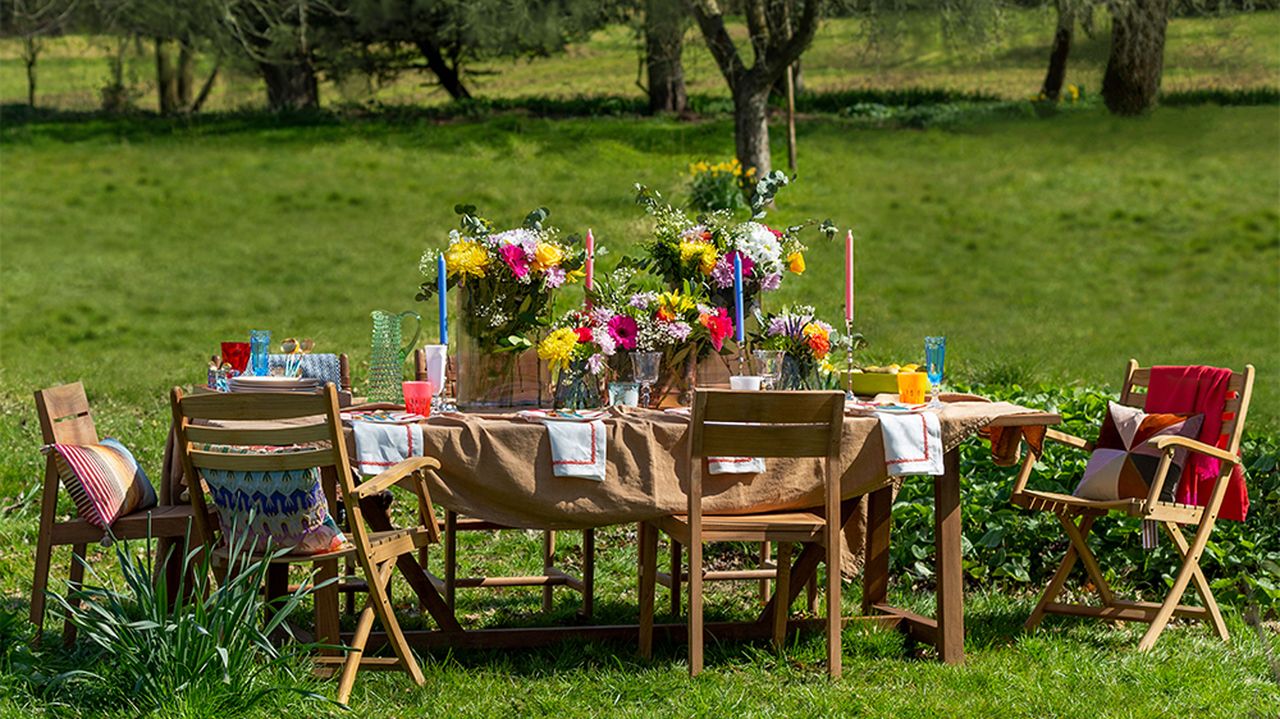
1008 547
201 644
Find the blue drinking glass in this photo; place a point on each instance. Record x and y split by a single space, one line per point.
935 359
259 348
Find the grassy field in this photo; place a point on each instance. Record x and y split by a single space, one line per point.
1232 52
1046 249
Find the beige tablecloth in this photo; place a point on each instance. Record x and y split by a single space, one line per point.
499 468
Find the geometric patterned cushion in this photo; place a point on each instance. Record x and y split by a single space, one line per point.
104 480
285 507
323 367
1123 465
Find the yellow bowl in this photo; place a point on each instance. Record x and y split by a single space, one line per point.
873 383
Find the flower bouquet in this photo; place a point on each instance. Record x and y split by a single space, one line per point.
577 352
806 344
678 323
504 282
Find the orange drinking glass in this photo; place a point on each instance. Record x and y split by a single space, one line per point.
912 387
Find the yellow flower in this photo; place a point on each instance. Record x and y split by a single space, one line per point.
795 262
814 330
547 256
672 305
466 258
558 347
703 252
1074 92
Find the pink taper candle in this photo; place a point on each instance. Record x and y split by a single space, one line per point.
590 281
848 277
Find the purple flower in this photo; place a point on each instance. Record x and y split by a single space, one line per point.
679 331
623 330
554 277
771 282
595 363
722 273
642 300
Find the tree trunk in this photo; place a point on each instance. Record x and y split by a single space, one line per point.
30 52
664 45
1131 82
1052 87
448 76
186 75
166 78
751 125
290 87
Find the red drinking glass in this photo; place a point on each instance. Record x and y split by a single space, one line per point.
236 354
417 397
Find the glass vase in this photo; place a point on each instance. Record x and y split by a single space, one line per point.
577 388
491 378
799 374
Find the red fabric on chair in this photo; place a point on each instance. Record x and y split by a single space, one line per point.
1203 390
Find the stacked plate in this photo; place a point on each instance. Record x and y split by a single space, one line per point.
274 384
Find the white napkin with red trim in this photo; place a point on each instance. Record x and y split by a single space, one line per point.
381 445
579 442
912 442
726 465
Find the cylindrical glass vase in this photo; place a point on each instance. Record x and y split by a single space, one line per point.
491 378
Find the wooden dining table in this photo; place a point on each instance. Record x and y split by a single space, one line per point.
454 439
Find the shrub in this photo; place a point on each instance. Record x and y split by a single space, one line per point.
209 649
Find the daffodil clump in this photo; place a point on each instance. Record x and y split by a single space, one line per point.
719 186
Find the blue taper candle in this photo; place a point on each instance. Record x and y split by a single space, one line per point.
737 298
442 285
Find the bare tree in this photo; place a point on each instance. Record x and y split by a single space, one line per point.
32 21
779 32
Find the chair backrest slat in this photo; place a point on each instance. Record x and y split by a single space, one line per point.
1234 410
300 434
766 424
277 461
64 415
254 405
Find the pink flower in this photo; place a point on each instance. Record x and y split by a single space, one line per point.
516 259
554 277
718 326
623 330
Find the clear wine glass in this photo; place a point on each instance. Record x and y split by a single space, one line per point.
769 366
645 366
935 360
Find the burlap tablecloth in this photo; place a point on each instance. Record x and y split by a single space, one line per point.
498 468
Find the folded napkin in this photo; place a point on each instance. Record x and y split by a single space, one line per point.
578 442
380 445
726 465
912 443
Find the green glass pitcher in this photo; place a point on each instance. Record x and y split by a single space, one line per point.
387 355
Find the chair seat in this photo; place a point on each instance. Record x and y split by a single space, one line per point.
381 545
1135 507
773 526
163 521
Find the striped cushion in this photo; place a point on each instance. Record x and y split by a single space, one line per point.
104 480
282 508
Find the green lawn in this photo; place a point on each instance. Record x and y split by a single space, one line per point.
1231 52
1045 249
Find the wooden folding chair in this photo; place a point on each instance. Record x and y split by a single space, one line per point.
1077 517
551 577
758 424
195 418
65 419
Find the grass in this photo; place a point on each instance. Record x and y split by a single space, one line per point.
1047 249
1233 52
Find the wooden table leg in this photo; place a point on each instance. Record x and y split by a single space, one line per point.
950 576
588 572
328 630
875 569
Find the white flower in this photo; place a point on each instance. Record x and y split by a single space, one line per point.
595 363
762 246
603 340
